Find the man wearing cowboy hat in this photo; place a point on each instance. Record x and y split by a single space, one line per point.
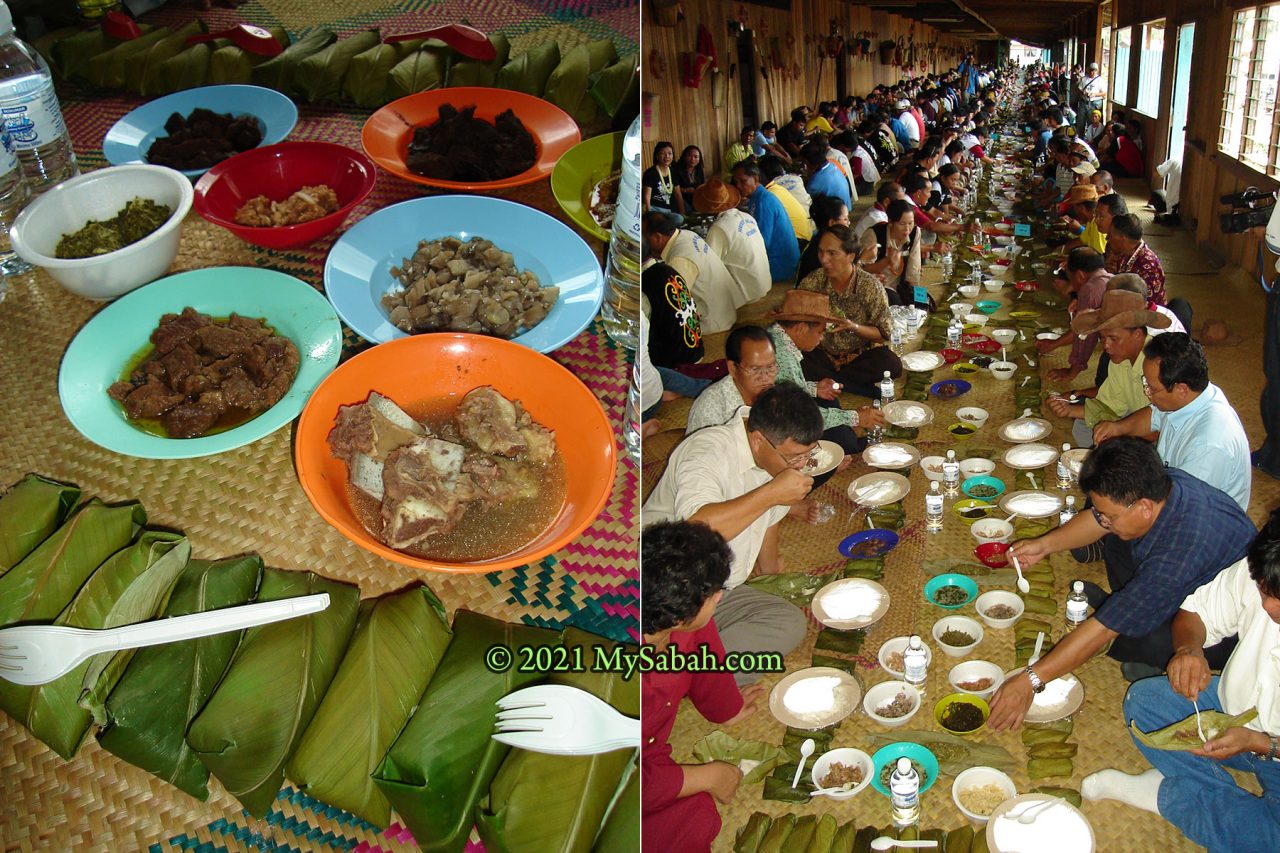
736 238
1121 324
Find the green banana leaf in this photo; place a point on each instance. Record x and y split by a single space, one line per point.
399 641
796 587
256 716
719 746
443 761
523 812
621 830
108 69
1048 768
1071 795
319 76
366 80
129 587
954 753
845 835
71 56
44 44
1183 735
29 513
280 71
233 64
1052 750
419 72
752 833
142 68
185 70
567 85
164 687
530 71
617 86
43 584
473 72
775 840
802 833
959 840
824 834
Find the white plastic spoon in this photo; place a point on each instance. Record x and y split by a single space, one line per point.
806 750
1023 586
884 842
1035 653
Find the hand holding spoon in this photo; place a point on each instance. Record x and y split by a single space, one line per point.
1023 586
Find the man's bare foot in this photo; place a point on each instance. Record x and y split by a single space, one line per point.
650 429
668 396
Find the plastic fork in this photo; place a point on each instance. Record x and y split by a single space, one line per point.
38 654
561 720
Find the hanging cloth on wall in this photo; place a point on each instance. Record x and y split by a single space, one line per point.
704 58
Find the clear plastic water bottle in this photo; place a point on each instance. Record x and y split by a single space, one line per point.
915 662
886 389
904 788
895 338
621 309
950 475
13 197
631 421
1077 606
1068 511
1064 470
933 508
31 112
876 434
953 335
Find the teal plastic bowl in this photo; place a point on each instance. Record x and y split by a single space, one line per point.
890 754
988 306
968 584
994 482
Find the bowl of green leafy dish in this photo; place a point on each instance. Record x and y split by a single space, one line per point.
106 232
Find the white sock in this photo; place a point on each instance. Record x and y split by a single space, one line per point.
1140 790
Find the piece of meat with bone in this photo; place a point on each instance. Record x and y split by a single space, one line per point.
375 428
496 479
423 485
490 421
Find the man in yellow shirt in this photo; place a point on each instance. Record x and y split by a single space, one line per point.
820 122
740 150
774 174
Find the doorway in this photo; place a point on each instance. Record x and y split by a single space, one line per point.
746 50
1181 91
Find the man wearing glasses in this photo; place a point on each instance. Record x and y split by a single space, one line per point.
741 479
753 368
1164 533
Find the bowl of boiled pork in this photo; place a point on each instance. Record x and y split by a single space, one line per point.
455 453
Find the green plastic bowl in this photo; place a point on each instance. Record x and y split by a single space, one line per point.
961 698
917 753
968 584
578 171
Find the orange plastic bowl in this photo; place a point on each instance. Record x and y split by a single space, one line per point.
277 171
387 133
432 366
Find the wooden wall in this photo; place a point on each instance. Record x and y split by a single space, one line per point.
685 116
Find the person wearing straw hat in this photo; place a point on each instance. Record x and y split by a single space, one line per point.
1121 324
736 238
798 326
1080 218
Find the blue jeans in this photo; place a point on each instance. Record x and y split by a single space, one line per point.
685 386
1197 795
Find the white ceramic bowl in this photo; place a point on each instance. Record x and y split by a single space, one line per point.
844 755
882 694
996 270
1003 241
977 466
999 596
992 285
959 309
975 319
99 195
899 644
1003 336
978 777
973 415
929 462
1003 369
969 291
971 670
960 623
991 530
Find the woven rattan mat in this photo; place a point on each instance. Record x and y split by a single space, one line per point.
1099 730
249 499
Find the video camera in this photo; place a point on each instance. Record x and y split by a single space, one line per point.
1250 208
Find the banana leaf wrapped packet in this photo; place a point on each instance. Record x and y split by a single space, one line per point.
775 840
421 71
108 69
802 833
618 86
621 830
444 760
255 718
186 70
530 71
131 586
473 72
142 68
29 513
824 834
365 83
146 716
719 746
796 587
280 71
319 76
398 643
233 64
1183 735
567 85
752 833
523 812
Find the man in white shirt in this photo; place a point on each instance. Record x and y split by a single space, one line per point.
835 155
1190 787
1093 95
736 238
741 479
707 276
887 192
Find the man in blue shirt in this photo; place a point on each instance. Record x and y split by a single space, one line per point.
899 127
771 217
1164 534
825 177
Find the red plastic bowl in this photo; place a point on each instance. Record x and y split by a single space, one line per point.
993 554
951 356
277 171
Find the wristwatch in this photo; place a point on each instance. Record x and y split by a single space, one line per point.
1037 686
1275 748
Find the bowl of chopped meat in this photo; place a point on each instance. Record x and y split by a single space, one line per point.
469 138
285 195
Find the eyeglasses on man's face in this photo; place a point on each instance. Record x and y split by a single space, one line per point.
793 460
1108 521
761 371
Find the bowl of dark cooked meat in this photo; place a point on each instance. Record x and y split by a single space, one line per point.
199 363
455 453
469 138
193 130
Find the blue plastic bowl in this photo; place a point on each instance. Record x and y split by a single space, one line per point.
984 480
886 541
988 306
968 584
358 270
889 754
938 389
130 138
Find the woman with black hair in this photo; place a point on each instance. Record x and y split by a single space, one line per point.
686 565
658 181
896 244
688 174
825 211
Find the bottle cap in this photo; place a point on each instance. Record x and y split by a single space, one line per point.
933 485
904 765
951 454
1066 447
1077 586
6 19
914 642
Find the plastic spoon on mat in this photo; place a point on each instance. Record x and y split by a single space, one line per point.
1023 586
465 40
253 39
884 842
806 749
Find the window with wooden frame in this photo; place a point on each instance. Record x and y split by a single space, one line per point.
1150 59
1250 129
1120 73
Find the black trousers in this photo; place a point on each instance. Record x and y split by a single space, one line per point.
845 436
1267 457
1155 648
860 375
